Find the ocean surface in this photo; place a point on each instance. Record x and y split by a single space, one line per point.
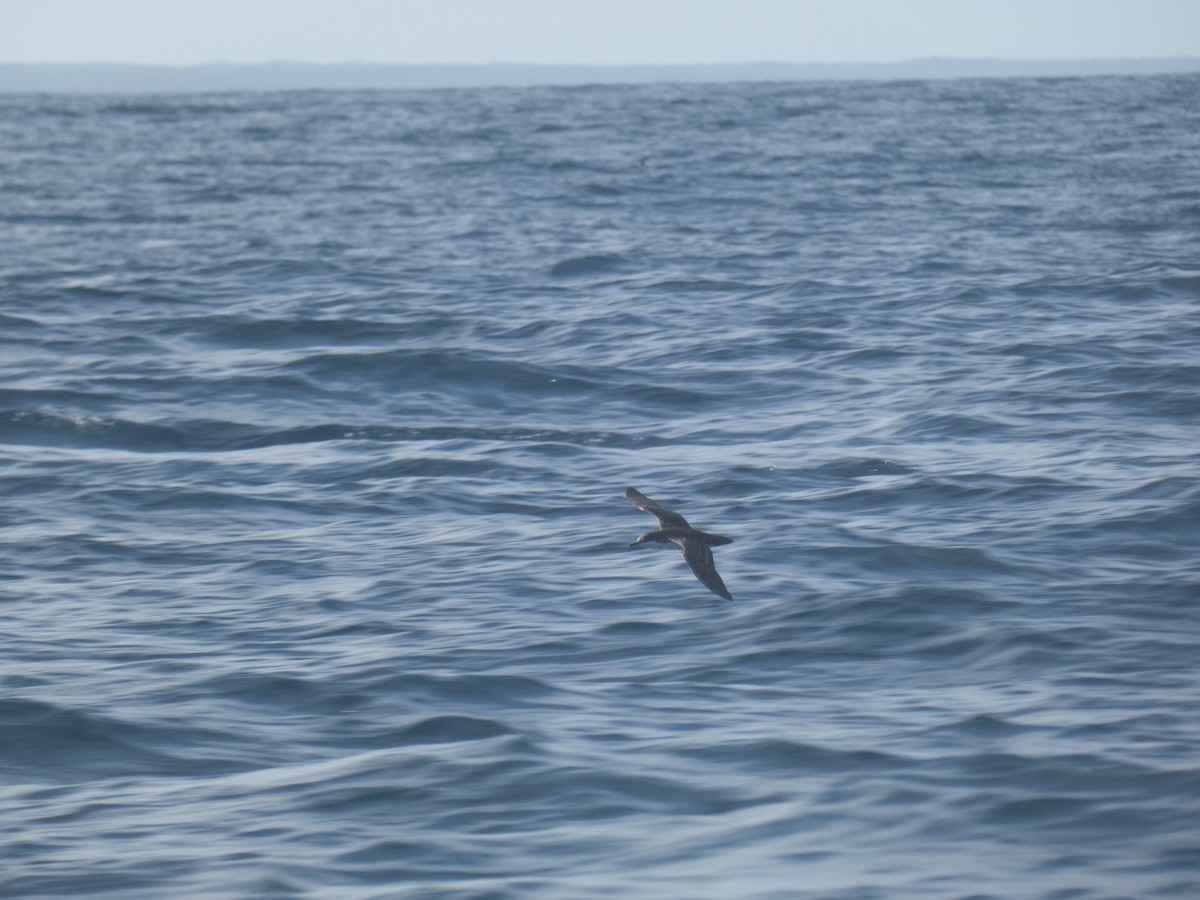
317 411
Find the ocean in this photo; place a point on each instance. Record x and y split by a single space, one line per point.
317 411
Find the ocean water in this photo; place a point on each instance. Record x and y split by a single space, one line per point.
316 416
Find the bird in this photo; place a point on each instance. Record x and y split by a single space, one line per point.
674 529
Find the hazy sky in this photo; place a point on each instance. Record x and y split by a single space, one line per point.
591 31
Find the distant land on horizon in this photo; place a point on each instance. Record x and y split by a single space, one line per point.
121 77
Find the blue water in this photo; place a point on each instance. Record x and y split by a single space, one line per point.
316 417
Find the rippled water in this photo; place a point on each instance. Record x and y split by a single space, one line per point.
316 415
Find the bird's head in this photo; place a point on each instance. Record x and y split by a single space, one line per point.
650 537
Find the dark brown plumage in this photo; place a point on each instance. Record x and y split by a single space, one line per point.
674 528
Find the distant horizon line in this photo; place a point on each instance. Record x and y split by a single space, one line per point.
118 77
614 65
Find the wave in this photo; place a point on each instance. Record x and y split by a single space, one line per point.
62 430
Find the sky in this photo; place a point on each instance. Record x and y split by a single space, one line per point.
612 32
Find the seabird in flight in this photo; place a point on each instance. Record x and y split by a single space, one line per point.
674 529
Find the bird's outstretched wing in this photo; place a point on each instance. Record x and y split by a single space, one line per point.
700 558
666 518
